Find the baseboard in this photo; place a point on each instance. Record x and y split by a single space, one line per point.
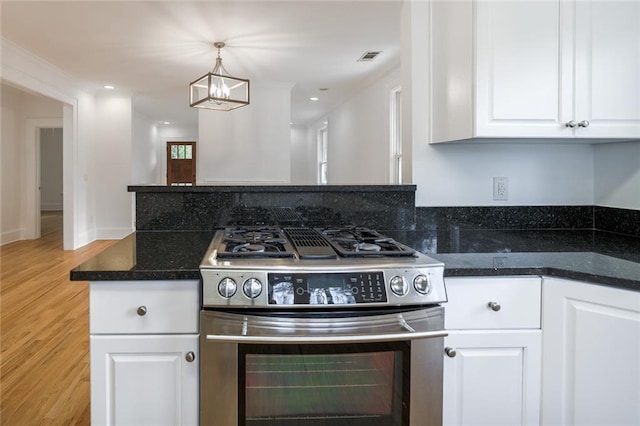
10 236
85 238
112 233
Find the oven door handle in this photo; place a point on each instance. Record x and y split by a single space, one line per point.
328 338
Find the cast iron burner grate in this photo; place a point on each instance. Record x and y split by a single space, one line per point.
364 242
254 242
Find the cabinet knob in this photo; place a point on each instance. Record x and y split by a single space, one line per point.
451 353
583 123
571 124
190 356
142 310
494 306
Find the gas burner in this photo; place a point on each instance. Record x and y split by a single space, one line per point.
368 247
361 242
254 242
244 247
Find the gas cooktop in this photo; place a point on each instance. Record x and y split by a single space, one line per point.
265 266
306 243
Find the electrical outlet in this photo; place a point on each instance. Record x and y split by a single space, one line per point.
500 188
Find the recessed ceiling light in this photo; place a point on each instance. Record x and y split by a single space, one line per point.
313 99
108 86
167 122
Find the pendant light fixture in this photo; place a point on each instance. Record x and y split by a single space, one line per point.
217 89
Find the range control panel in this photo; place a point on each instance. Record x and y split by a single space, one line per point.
326 288
317 289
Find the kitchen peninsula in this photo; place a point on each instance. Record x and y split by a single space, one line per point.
516 250
574 242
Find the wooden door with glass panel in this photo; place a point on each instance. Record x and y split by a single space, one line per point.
181 163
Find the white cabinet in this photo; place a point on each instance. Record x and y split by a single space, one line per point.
493 351
532 69
144 352
144 380
591 368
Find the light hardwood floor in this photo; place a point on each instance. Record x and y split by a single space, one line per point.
44 324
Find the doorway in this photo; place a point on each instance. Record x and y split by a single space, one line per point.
181 163
51 182
36 128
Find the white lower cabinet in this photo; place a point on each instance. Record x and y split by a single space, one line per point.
144 380
493 379
492 359
144 352
591 352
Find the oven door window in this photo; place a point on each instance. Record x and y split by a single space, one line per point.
337 385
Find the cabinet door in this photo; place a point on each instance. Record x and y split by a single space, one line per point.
144 380
607 68
518 76
493 379
591 371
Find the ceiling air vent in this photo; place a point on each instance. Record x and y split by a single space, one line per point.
368 56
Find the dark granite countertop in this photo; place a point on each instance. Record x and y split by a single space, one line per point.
585 255
158 255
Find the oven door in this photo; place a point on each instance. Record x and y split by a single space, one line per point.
373 368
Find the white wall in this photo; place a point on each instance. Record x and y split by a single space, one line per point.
84 175
250 145
303 156
10 160
617 175
359 148
144 157
114 151
538 174
51 169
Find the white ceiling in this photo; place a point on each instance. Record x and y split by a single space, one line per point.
153 49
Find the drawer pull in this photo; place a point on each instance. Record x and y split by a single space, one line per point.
451 353
142 310
190 356
494 306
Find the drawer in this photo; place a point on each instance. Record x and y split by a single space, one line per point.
144 307
518 302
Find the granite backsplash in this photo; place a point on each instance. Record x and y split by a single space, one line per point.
522 229
620 221
207 208
382 207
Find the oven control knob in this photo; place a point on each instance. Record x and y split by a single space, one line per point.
398 285
227 287
252 288
422 284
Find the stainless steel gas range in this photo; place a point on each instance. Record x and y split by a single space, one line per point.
325 326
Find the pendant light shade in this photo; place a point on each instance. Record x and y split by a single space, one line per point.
218 90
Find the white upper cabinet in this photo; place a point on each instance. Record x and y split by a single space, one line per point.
535 69
607 68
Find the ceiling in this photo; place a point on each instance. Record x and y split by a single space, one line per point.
153 49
